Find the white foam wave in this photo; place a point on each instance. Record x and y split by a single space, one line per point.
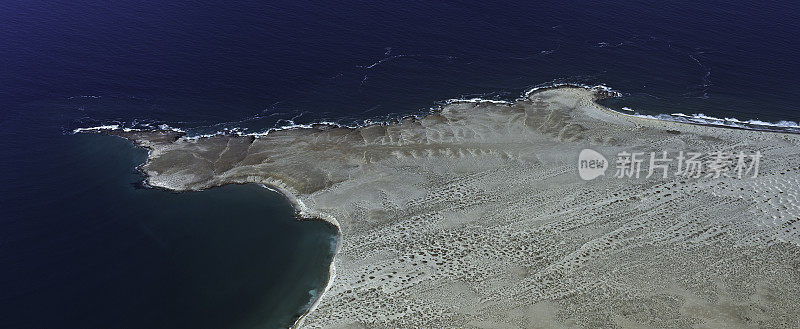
600 88
476 100
103 128
733 121
98 128
783 125
167 127
144 126
702 119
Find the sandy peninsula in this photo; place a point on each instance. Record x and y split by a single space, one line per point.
475 216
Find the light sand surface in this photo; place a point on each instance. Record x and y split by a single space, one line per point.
475 216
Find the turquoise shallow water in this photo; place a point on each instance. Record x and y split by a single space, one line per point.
133 257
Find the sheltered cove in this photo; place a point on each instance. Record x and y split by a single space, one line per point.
474 216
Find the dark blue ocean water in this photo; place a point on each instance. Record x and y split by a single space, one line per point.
81 246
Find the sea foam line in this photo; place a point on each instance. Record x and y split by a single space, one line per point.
292 125
702 119
147 127
598 88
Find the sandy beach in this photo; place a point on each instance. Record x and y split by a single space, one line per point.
476 216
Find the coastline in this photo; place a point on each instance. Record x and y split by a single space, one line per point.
301 183
301 211
305 214
602 91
